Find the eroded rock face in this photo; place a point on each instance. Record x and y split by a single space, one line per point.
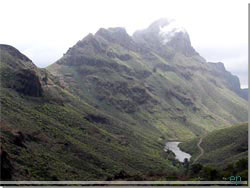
123 57
19 139
28 83
117 35
231 81
97 119
181 43
137 94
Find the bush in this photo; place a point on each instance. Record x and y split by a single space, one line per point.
196 168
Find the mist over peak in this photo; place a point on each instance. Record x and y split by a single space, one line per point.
169 31
166 33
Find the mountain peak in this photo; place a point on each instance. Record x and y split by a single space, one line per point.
117 35
166 32
165 28
168 29
113 32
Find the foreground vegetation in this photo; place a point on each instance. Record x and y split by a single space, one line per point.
225 153
202 172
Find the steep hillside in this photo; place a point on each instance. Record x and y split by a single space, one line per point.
154 79
49 134
221 147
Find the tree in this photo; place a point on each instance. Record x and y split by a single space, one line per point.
210 173
186 165
196 168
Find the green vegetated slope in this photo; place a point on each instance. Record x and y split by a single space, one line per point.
164 88
221 147
104 109
49 134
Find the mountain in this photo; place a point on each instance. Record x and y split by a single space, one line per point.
161 85
49 134
105 109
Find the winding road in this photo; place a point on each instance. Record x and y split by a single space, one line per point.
200 148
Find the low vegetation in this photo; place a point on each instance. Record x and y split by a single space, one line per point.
225 154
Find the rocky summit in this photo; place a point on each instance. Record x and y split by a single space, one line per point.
104 110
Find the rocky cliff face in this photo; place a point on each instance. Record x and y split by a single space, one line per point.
231 81
18 72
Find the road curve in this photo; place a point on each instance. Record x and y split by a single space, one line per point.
200 148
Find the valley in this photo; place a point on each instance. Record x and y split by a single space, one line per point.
105 109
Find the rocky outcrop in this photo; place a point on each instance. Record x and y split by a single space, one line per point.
181 43
19 139
117 35
19 73
231 81
96 119
28 83
123 57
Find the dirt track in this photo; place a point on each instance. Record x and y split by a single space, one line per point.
200 148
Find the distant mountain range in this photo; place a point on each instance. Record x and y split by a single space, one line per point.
104 110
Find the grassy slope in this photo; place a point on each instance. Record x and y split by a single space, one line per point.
221 147
53 137
188 102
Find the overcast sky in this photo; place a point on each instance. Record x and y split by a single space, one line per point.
44 29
